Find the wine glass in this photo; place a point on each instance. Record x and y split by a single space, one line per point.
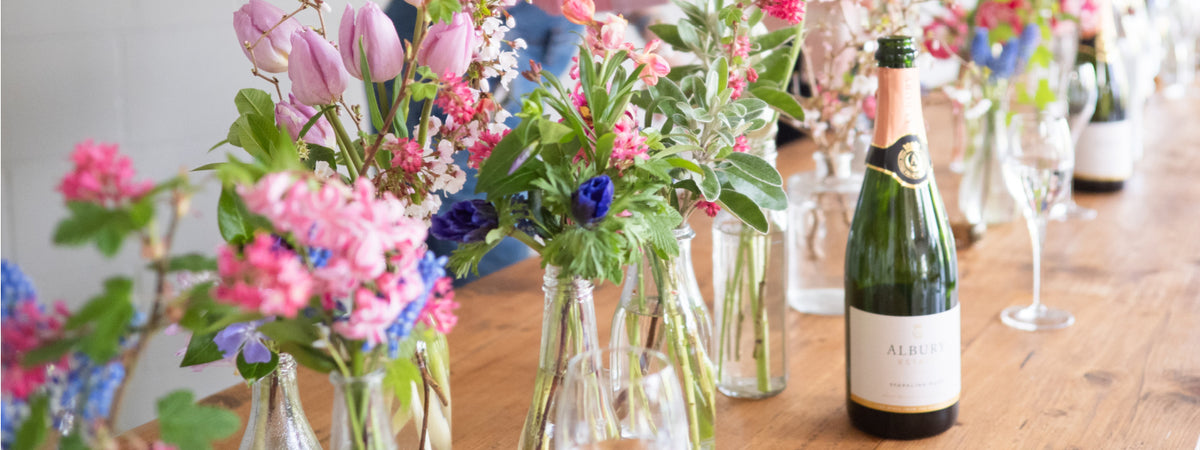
1037 168
623 398
1080 102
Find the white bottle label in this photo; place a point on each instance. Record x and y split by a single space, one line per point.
905 364
1105 151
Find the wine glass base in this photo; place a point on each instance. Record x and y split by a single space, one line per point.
1071 211
1036 318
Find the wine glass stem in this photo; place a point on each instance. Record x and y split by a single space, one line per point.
1037 234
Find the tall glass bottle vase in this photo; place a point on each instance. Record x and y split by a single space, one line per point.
361 420
661 309
568 329
982 196
277 418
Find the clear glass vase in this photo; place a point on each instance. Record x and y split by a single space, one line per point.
982 196
820 206
749 284
277 418
361 420
661 309
421 414
568 329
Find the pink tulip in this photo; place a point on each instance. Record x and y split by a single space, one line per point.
374 33
579 11
292 115
316 71
254 19
449 46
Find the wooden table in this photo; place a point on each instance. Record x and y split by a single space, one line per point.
1126 375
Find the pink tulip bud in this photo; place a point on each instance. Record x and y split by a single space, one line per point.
271 52
374 33
448 47
579 11
316 71
292 115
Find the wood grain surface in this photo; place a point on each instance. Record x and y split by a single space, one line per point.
1126 375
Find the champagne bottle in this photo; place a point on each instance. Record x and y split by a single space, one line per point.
1104 153
903 365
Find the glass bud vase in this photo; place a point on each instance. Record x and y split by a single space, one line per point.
360 416
661 309
425 353
568 329
820 206
749 283
982 196
276 418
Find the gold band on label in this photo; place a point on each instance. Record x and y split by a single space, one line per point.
897 177
904 409
1100 179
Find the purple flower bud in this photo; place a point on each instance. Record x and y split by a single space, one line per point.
254 19
448 47
981 48
292 115
316 71
376 35
467 221
590 203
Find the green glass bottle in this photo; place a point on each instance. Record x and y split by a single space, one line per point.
903 364
1104 155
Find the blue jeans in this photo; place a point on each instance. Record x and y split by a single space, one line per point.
552 41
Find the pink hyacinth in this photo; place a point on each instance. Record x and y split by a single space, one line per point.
791 11
741 144
268 279
407 154
629 142
102 176
710 208
439 309
370 317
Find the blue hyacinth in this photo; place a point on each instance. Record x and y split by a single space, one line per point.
14 287
432 268
1014 54
90 387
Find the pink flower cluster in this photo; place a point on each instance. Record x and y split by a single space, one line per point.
609 36
741 144
268 278
26 329
991 13
469 119
407 154
739 47
439 309
947 33
737 84
362 249
710 208
791 11
629 143
102 176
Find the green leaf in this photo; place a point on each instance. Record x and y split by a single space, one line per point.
233 220
774 39
422 91
73 441
308 356
499 165
89 222
443 10
254 371
210 166
710 185
192 262
36 427
52 351
763 194
105 319
299 330
756 167
669 34
552 132
201 349
780 100
687 32
743 208
190 426
254 101
401 374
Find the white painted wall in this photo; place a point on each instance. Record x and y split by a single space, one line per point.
156 76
